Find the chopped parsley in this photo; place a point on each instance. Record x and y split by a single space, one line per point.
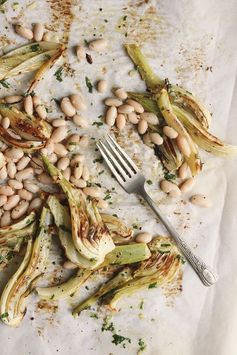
35 47
115 215
124 18
4 315
89 85
106 326
58 74
94 315
181 258
142 345
5 84
168 176
98 124
149 182
101 172
107 197
98 160
141 306
153 285
118 339
163 251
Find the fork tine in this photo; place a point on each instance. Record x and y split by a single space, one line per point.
123 154
110 162
119 157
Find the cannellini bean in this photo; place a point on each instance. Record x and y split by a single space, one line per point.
137 107
183 171
80 121
13 99
170 132
74 138
6 190
125 109
121 93
93 191
3 146
174 193
2 160
133 118
112 101
6 219
78 169
11 169
63 163
24 32
24 174
14 153
49 146
183 145
38 32
120 121
22 163
53 158
59 123
29 186
78 158
5 122
28 105
35 204
3 200
150 117
78 102
147 140
67 173
67 107
110 116
85 173
84 142
59 134
81 53
102 86
187 185
50 37
3 173
12 201
98 45
45 178
143 238
102 204
69 265
25 195
20 209
60 150
167 187
39 107
156 138
78 183
201 201
142 126
14 184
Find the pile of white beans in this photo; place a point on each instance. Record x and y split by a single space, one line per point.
37 33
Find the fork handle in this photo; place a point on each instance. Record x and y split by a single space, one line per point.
205 274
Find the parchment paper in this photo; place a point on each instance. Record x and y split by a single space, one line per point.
192 43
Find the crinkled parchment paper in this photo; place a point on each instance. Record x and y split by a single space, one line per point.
194 44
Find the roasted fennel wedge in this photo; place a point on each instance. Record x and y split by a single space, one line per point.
162 266
13 299
90 235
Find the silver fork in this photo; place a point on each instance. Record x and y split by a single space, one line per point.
132 181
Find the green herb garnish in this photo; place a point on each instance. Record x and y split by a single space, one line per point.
89 85
5 84
149 182
168 176
153 285
142 345
58 74
118 339
35 47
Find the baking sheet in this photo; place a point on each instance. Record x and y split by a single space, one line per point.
192 43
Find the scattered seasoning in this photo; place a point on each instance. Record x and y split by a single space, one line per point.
89 85
135 226
168 176
141 306
86 42
58 74
52 297
153 285
89 58
35 47
105 20
5 84
4 315
149 182
98 160
125 17
118 339
142 345
107 325
107 197
115 215
101 172
181 258
126 34
98 124
94 315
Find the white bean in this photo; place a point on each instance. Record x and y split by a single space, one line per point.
67 173
3 173
121 93
150 118
110 116
78 102
31 187
45 179
22 163
25 195
133 118
59 123
49 146
17 185
142 126
112 101
85 173
98 45
74 138
53 158
35 204
147 140
183 145
168 187
24 32
137 107
63 163
201 200
84 142
6 219
143 237
3 200
38 32
156 138
78 169
183 171
14 153
24 174
20 209
93 191
69 265
6 190
78 183
39 107
67 107
11 169
81 53
2 160
102 204
187 185
5 122
170 132
120 121
28 105
60 150
174 193
125 109
102 86
80 121
50 37
13 99
12 201
77 159
59 134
